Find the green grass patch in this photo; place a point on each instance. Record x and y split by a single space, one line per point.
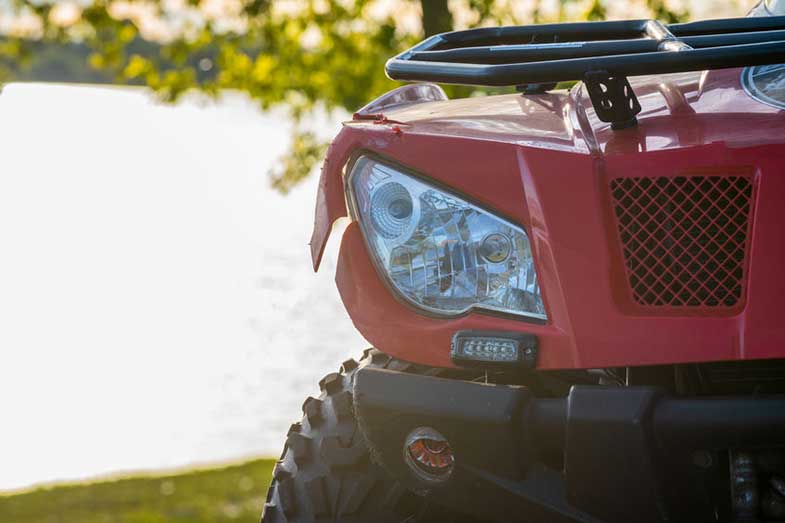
231 493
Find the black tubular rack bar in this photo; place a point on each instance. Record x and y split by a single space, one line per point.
602 54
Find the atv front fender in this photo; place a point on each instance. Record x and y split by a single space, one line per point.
330 200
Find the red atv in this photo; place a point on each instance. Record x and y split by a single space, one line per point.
577 298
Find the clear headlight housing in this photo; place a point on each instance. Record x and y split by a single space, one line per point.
440 252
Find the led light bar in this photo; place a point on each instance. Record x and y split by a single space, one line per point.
493 349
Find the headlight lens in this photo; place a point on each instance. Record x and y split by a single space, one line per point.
439 251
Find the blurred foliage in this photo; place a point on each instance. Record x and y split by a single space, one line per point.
234 493
306 150
303 54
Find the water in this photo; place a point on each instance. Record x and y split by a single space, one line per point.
157 304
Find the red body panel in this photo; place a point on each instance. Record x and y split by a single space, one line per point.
545 162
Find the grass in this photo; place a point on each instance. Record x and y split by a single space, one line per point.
232 493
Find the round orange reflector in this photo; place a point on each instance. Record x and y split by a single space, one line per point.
429 454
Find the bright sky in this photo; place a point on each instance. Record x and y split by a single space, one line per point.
157 305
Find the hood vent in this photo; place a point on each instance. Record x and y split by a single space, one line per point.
684 239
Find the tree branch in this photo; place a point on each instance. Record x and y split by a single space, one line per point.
436 17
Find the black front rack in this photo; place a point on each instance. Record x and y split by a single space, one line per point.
602 54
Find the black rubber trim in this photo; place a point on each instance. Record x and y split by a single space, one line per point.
627 452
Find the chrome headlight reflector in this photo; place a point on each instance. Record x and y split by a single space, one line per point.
439 251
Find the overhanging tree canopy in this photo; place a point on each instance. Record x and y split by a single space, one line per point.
297 53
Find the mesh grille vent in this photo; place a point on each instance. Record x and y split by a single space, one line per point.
684 239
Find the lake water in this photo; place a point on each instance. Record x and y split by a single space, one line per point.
157 304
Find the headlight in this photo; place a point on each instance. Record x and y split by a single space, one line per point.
439 251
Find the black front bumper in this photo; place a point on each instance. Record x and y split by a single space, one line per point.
607 454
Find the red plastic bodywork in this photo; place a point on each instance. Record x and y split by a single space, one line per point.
545 161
